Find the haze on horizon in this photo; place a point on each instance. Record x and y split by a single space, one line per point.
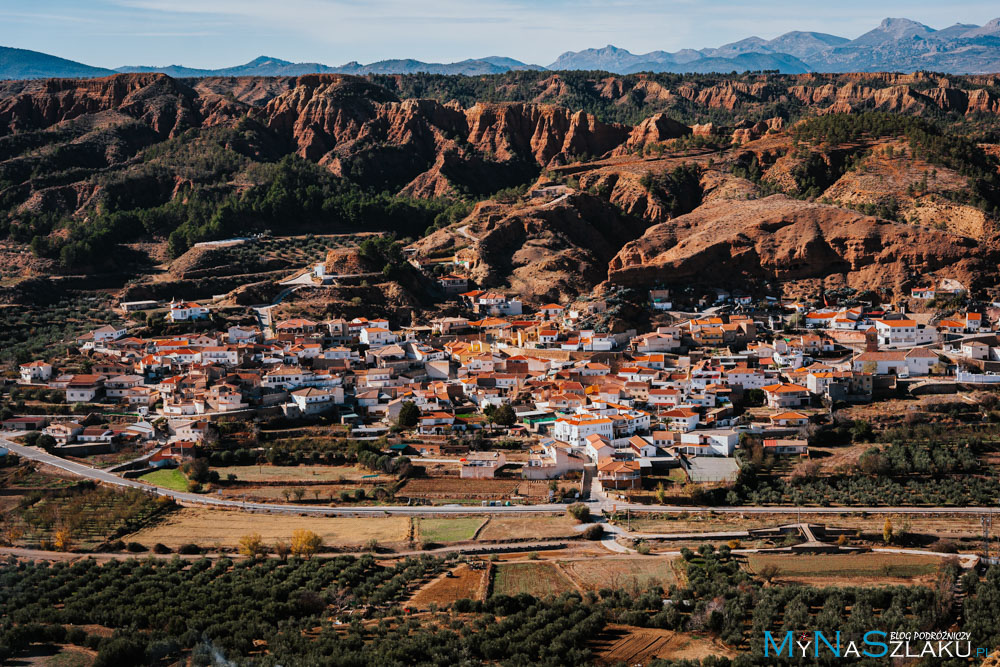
219 33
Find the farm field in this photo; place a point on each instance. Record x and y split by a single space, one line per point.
535 578
633 573
207 527
528 527
28 477
625 645
168 478
456 487
327 492
295 473
938 525
81 519
856 569
447 530
538 489
467 583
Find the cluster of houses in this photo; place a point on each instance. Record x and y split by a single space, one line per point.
624 403
175 441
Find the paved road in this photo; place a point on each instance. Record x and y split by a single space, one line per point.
203 499
560 198
264 312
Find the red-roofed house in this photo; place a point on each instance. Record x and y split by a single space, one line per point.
793 419
786 447
614 474
786 395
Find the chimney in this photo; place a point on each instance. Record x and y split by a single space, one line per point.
871 340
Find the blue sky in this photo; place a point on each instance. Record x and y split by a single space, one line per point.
216 33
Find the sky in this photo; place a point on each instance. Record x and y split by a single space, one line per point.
221 33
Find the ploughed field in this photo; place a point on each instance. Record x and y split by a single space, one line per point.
466 582
626 645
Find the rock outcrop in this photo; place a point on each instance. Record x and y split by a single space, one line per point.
653 130
544 253
164 104
782 239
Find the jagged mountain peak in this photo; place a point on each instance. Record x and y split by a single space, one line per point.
990 29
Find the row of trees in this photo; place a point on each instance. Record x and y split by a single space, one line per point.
927 459
229 604
868 491
160 608
304 544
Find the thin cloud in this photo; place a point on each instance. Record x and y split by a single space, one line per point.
160 34
337 31
37 16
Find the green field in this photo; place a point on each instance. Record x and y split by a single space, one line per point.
538 579
448 530
168 478
846 566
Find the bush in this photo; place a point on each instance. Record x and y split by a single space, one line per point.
643 548
593 532
579 511
76 636
189 549
161 548
119 651
945 547
135 547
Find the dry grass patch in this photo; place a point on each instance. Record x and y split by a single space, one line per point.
952 527
858 569
207 527
632 573
538 579
528 527
54 655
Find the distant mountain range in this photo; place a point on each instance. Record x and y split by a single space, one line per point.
895 45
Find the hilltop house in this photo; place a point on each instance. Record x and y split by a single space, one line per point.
36 371
917 361
786 395
181 311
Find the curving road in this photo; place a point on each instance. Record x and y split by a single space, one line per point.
102 476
